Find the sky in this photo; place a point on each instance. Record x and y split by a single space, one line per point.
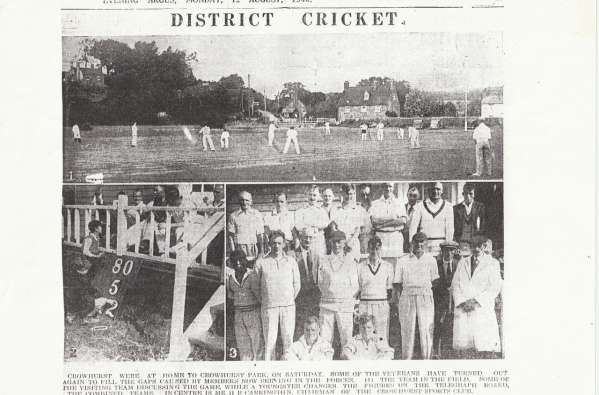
430 61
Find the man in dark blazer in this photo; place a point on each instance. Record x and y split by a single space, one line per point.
447 261
469 216
308 299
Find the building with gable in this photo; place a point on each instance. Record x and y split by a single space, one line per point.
368 102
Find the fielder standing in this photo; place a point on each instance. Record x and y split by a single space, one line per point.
206 138
291 138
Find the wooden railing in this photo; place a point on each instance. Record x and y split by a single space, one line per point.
125 230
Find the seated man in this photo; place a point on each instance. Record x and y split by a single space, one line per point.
367 344
310 346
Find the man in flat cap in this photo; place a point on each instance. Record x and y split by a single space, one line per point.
447 262
337 279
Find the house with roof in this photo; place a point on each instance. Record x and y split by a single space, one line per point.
367 102
87 70
491 104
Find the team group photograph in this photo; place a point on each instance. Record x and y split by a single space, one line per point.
387 270
283 108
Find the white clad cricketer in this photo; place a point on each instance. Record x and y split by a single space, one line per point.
291 138
271 133
224 139
206 138
134 134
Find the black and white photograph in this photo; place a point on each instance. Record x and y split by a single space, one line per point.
286 108
143 272
364 271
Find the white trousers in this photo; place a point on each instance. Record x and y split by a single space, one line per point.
345 325
271 137
380 311
248 335
288 143
415 141
392 244
274 318
483 158
411 307
380 135
224 142
207 142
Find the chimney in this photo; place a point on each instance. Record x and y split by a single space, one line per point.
345 86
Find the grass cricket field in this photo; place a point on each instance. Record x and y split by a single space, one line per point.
163 154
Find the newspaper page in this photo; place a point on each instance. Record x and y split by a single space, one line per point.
319 197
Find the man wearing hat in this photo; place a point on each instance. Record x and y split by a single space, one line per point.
306 303
476 283
415 276
337 279
388 218
375 277
447 262
434 217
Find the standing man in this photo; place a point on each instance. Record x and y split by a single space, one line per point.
306 303
76 134
482 138
243 288
327 128
245 228
476 283
337 278
469 216
414 136
415 276
434 217
310 346
400 133
375 278
134 134
447 263
279 286
315 217
206 138
330 207
363 130
291 137
388 218
281 219
224 139
413 199
380 132
352 219
271 133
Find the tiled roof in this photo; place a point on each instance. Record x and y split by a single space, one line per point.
376 96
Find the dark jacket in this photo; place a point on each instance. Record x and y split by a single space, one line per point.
466 226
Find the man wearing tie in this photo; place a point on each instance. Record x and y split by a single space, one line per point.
447 262
468 216
476 283
306 302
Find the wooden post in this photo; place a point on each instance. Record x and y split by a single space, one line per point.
179 347
167 238
121 225
77 228
140 230
108 230
69 224
154 228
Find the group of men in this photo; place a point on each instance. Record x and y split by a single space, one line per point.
299 275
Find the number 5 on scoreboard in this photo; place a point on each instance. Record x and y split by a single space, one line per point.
114 287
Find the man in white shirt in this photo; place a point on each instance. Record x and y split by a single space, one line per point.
310 346
415 276
134 134
482 137
281 219
280 284
434 217
380 132
400 133
224 139
352 219
315 217
363 130
271 133
245 228
327 129
413 196
291 138
375 277
337 278
414 136
367 345
76 134
388 218
206 138
476 283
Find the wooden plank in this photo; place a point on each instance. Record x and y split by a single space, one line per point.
178 345
215 225
77 226
69 224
